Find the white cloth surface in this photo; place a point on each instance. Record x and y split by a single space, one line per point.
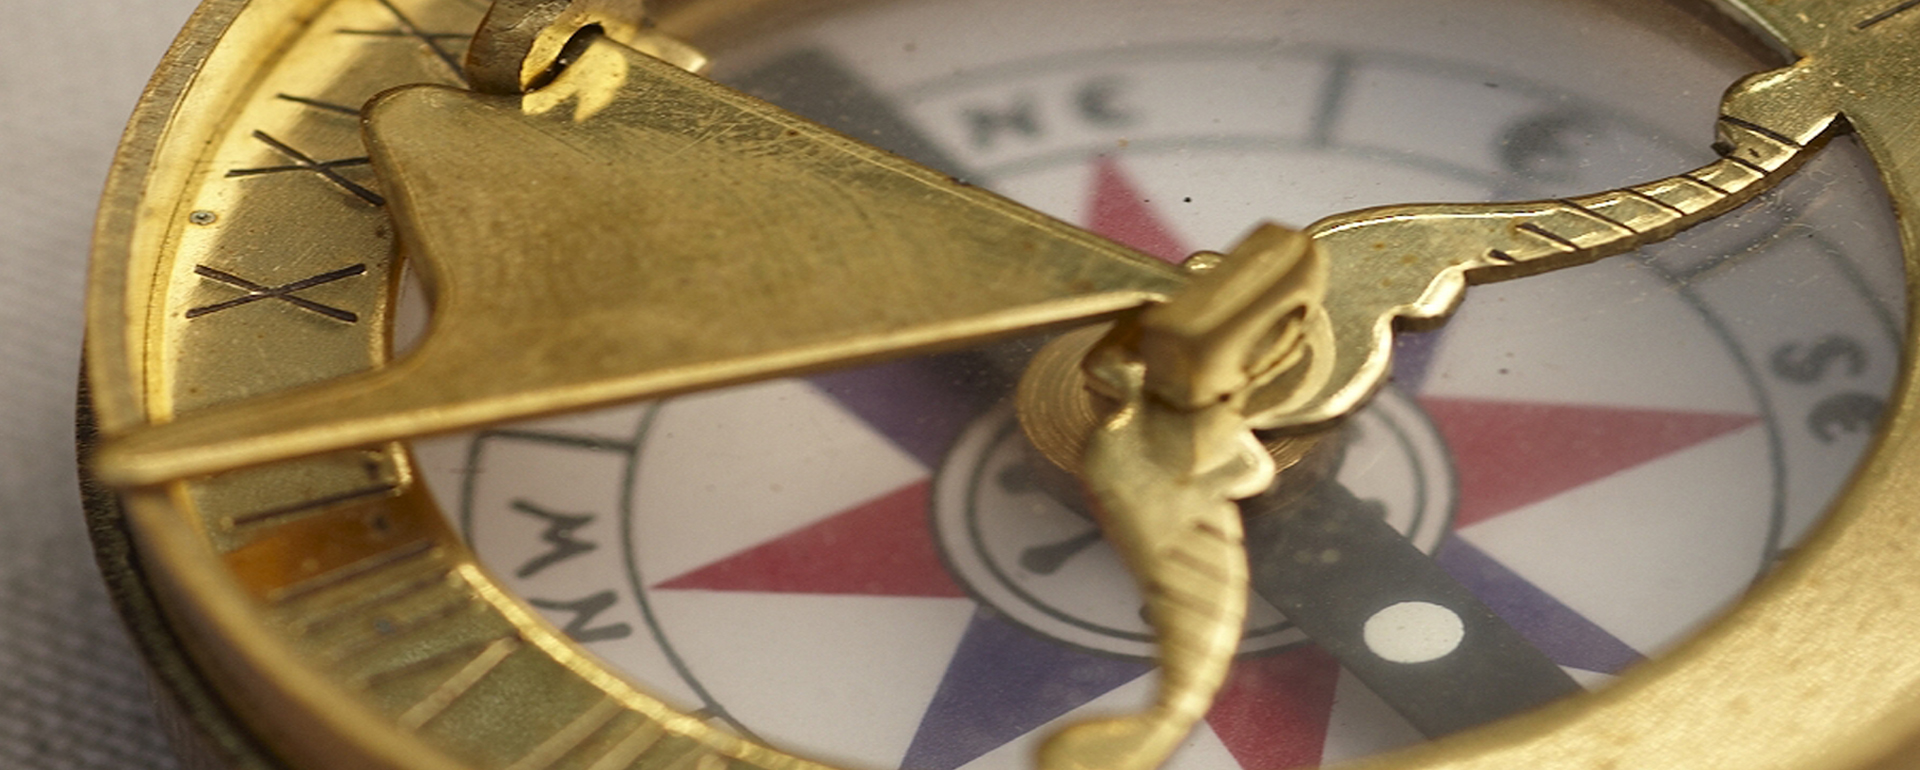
71 691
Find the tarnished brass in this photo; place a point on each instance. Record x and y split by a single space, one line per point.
519 43
620 271
811 272
1256 320
287 580
1414 262
1059 411
1168 464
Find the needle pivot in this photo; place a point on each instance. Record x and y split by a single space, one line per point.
1173 453
522 44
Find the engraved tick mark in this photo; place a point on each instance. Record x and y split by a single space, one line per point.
303 162
351 572
290 509
372 601
1590 212
318 104
288 292
1887 14
1550 235
408 29
1676 210
408 33
563 741
1768 132
457 686
1717 189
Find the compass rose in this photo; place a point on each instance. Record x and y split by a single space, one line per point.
1001 678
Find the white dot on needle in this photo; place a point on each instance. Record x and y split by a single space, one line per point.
1414 632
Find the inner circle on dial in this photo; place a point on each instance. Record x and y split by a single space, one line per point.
1026 546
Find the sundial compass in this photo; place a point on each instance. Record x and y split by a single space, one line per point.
590 222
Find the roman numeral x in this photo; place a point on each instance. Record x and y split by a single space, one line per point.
328 169
288 293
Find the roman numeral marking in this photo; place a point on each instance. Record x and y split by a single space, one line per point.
360 609
458 685
340 109
271 514
409 30
1887 14
288 292
700 759
363 568
630 748
382 632
649 746
417 619
328 169
568 738
372 677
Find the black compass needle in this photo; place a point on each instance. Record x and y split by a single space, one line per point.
1418 638
1048 558
1035 474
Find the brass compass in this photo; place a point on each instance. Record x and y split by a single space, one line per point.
591 222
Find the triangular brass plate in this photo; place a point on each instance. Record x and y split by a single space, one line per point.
633 230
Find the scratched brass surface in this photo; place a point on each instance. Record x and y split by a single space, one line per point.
331 604
844 253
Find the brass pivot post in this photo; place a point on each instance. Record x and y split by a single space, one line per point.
1166 467
521 44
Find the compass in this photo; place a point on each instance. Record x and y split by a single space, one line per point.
869 564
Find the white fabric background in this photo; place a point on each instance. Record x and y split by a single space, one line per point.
71 691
